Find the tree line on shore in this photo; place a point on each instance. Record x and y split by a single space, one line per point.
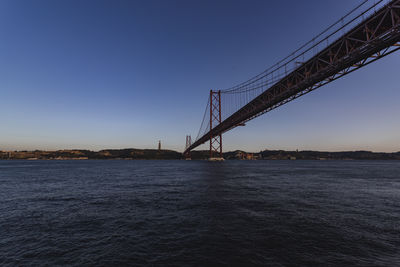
154 154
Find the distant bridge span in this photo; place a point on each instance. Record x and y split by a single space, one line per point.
357 40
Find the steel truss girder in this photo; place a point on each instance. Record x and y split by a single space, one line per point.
375 37
338 75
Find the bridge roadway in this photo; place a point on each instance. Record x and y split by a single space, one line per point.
373 38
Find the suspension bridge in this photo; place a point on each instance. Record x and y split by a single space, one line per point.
367 33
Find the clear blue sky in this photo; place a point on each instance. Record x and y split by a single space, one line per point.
119 74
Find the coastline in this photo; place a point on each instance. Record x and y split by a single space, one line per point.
153 154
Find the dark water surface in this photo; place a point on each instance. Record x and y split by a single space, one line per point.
158 213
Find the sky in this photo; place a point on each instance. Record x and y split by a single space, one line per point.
125 74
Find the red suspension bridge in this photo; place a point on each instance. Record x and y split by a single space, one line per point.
367 33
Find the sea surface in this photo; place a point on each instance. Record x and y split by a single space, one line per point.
198 213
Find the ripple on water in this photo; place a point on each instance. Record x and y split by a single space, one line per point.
274 213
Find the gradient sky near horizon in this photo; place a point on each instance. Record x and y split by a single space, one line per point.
122 74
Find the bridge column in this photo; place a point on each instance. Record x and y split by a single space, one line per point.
188 144
215 119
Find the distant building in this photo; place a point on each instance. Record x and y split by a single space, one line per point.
247 156
159 145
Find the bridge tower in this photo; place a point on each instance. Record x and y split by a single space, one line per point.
215 119
188 144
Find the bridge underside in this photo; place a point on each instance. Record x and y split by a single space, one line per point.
372 39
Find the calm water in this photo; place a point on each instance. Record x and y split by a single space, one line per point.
271 213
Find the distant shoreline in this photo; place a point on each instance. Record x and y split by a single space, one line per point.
154 154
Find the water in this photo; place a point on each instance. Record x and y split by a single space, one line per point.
160 213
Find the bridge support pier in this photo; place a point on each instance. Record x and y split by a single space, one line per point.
215 119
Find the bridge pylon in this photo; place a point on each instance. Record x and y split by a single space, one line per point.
187 154
215 119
